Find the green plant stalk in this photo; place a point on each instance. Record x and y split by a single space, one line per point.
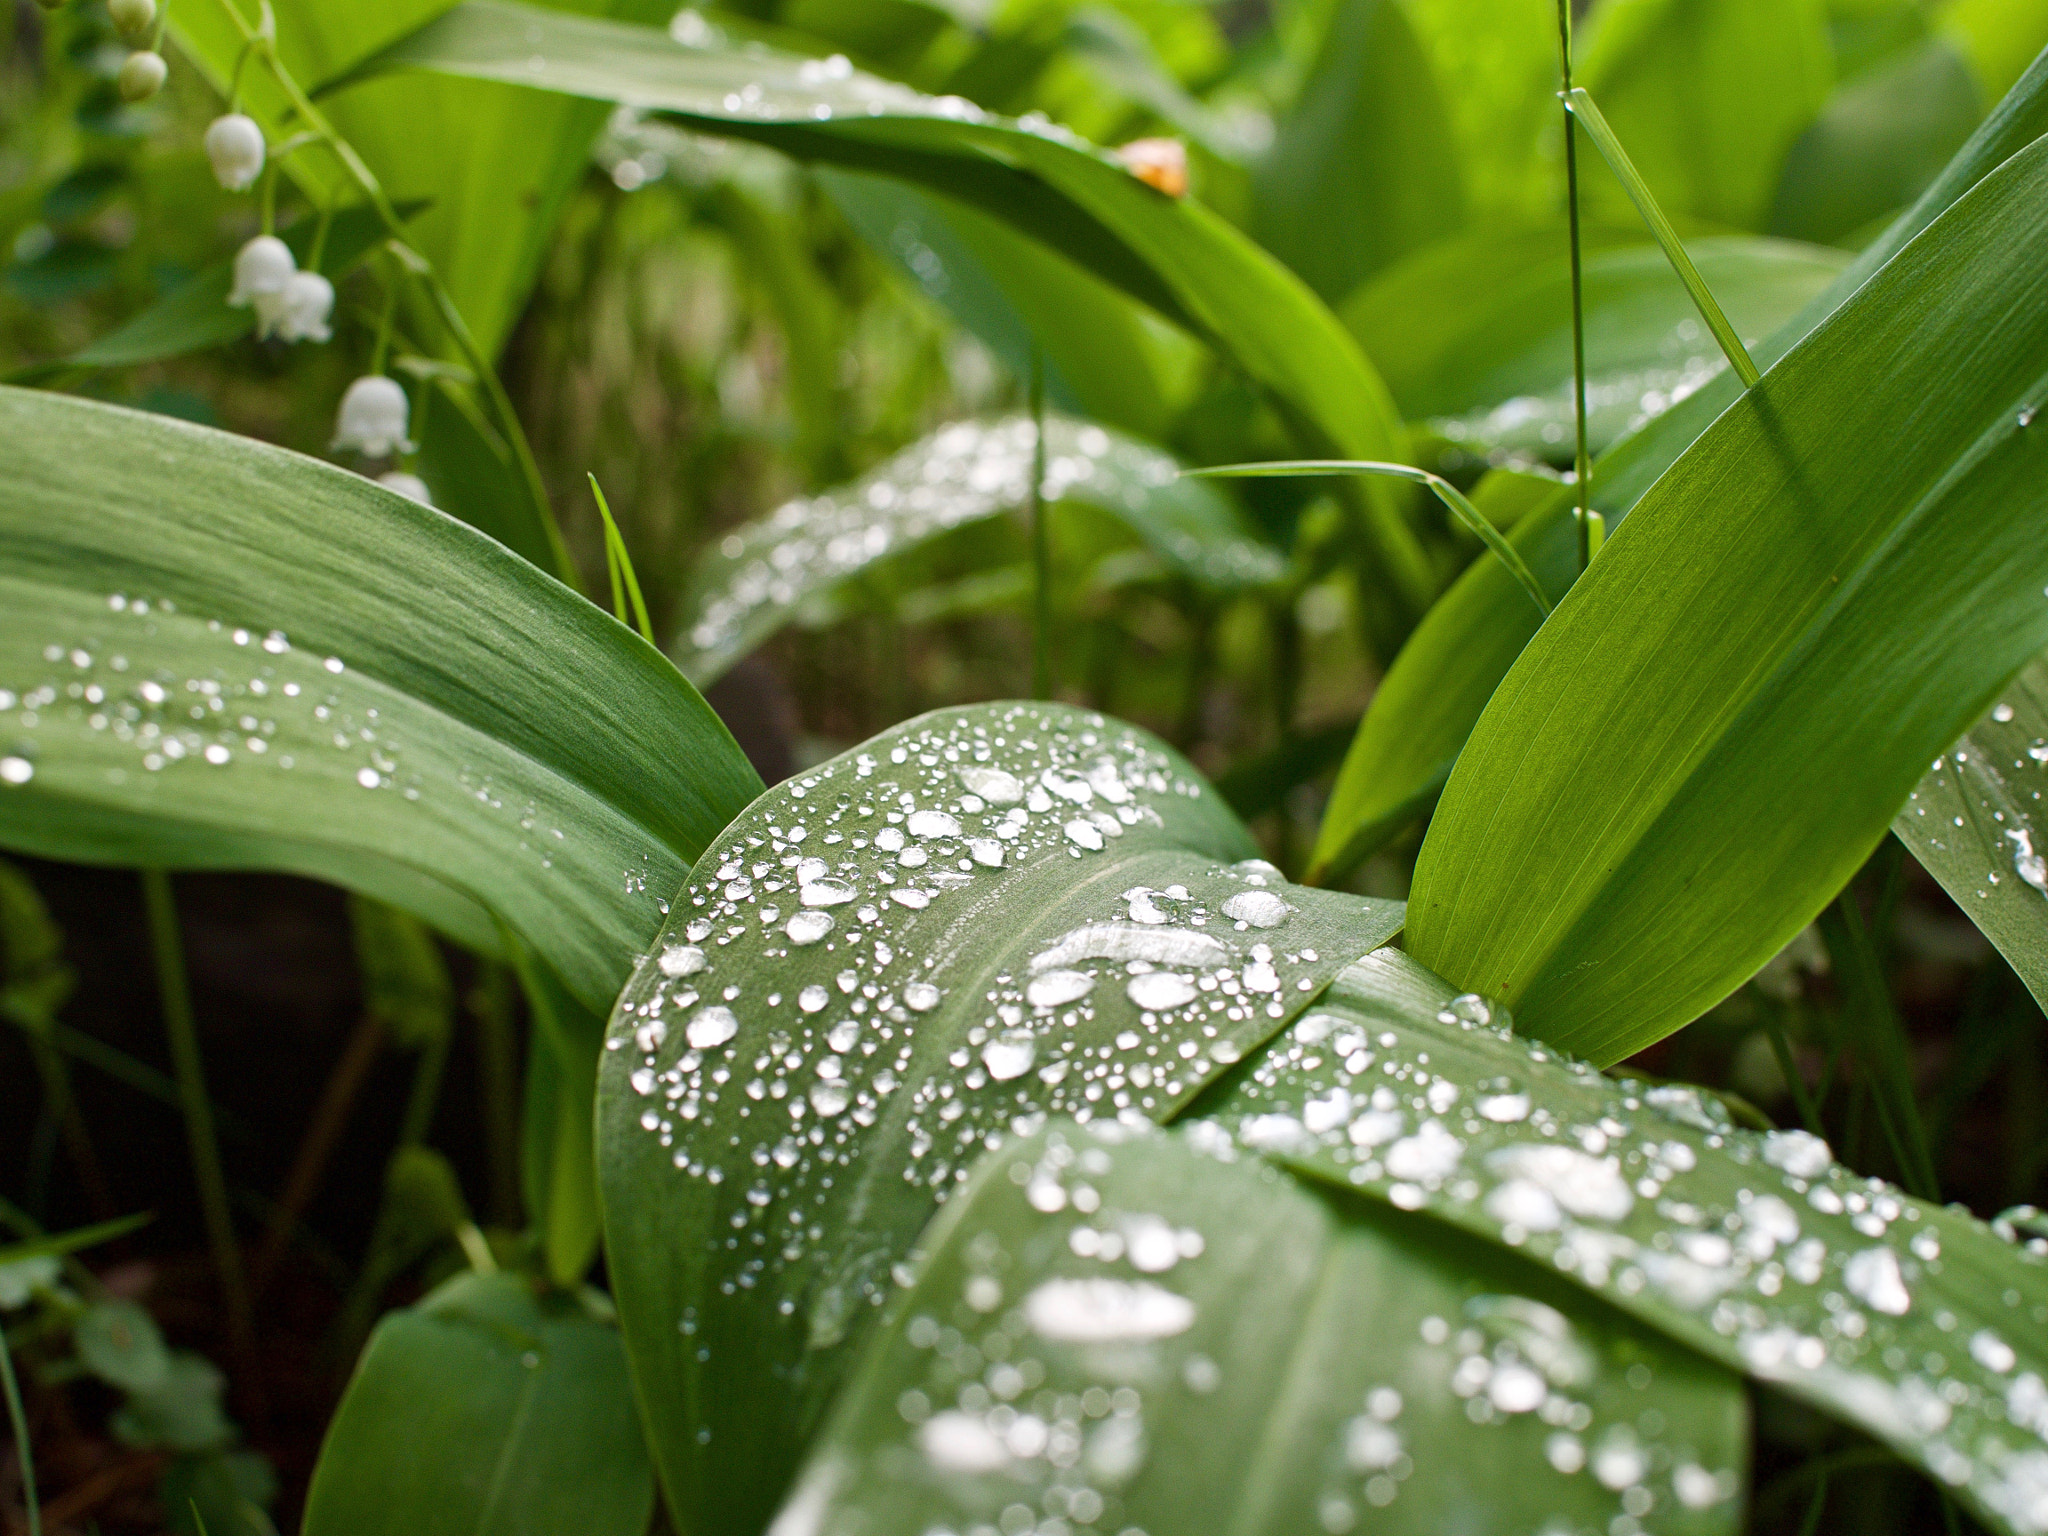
1788 1064
491 1005
1041 551
17 1416
1855 961
257 40
1580 105
183 1036
1461 508
426 1091
1582 461
619 564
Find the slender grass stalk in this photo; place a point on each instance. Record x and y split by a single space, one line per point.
1856 963
1582 460
1781 1047
316 1147
261 41
17 1417
1581 106
492 1003
1461 508
1817 1507
1041 549
619 564
183 1035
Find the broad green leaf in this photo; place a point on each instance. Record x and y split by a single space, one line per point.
1151 1332
471 475
1877 144
1495 371
760 574
406 986
196 314
1717 725
217 654
1977 823
1915 1323
981 917
1117 52
1434 692
1019 297
1707 95
485 1408
494 163
557 1167
1495 63
1364 170
1170 253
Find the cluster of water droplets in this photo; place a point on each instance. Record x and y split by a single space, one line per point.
965 472
258 702
1986 795
1768 1253
1617 404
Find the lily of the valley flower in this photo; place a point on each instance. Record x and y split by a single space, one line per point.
131 17
373 417
235 146
297 312
263 266
142 76
411 486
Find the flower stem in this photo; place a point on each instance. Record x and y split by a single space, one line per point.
1582 461
1041 552
18 1418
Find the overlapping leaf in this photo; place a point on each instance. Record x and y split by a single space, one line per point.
1977 822
979 918
485 1408
761 573
1102 1313
214 653
1916 1323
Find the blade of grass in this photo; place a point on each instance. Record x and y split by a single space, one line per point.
1580 105
1582 462
59 1243
175 996
1788 1064
1041 552
1856 963
18 1418
625 584
1448 494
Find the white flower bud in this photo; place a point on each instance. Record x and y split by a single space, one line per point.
142 76
298 311
411 486
373 417
235 146
262 266
131 17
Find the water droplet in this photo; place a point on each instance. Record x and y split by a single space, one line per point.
1256 909
711 1026
1157 990
931 824
813 998
993 785
681 960
1084 834
825 892
1054 988
1799 1153
1107 1311
1009 1055
808 927
16 770
829 1097
920 997
1873 1278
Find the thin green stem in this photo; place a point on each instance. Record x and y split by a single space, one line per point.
619 563
507 419
318 250
17 1416
1898 1113
1461 508
1788 1064
381 349
175 996
1582 461
1816 1507
1041 552
1581 106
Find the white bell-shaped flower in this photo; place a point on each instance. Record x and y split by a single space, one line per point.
235 146
131 17
299 311
373 417
262 266
411 486
142 76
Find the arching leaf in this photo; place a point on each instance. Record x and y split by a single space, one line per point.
759 575
979 918
1102 1312
216 654
1915 1323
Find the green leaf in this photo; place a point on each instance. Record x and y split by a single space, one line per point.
485 1408
557 1157
1497 374
470 472
1100 359
1434 692
1364 169
1170 253
118 1341
761 573
494 163
406 986
1104 1313
389 699
1914 1323
1976 822
1715 728
866 981
1496 64
1878 143
1707 98
75 1240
